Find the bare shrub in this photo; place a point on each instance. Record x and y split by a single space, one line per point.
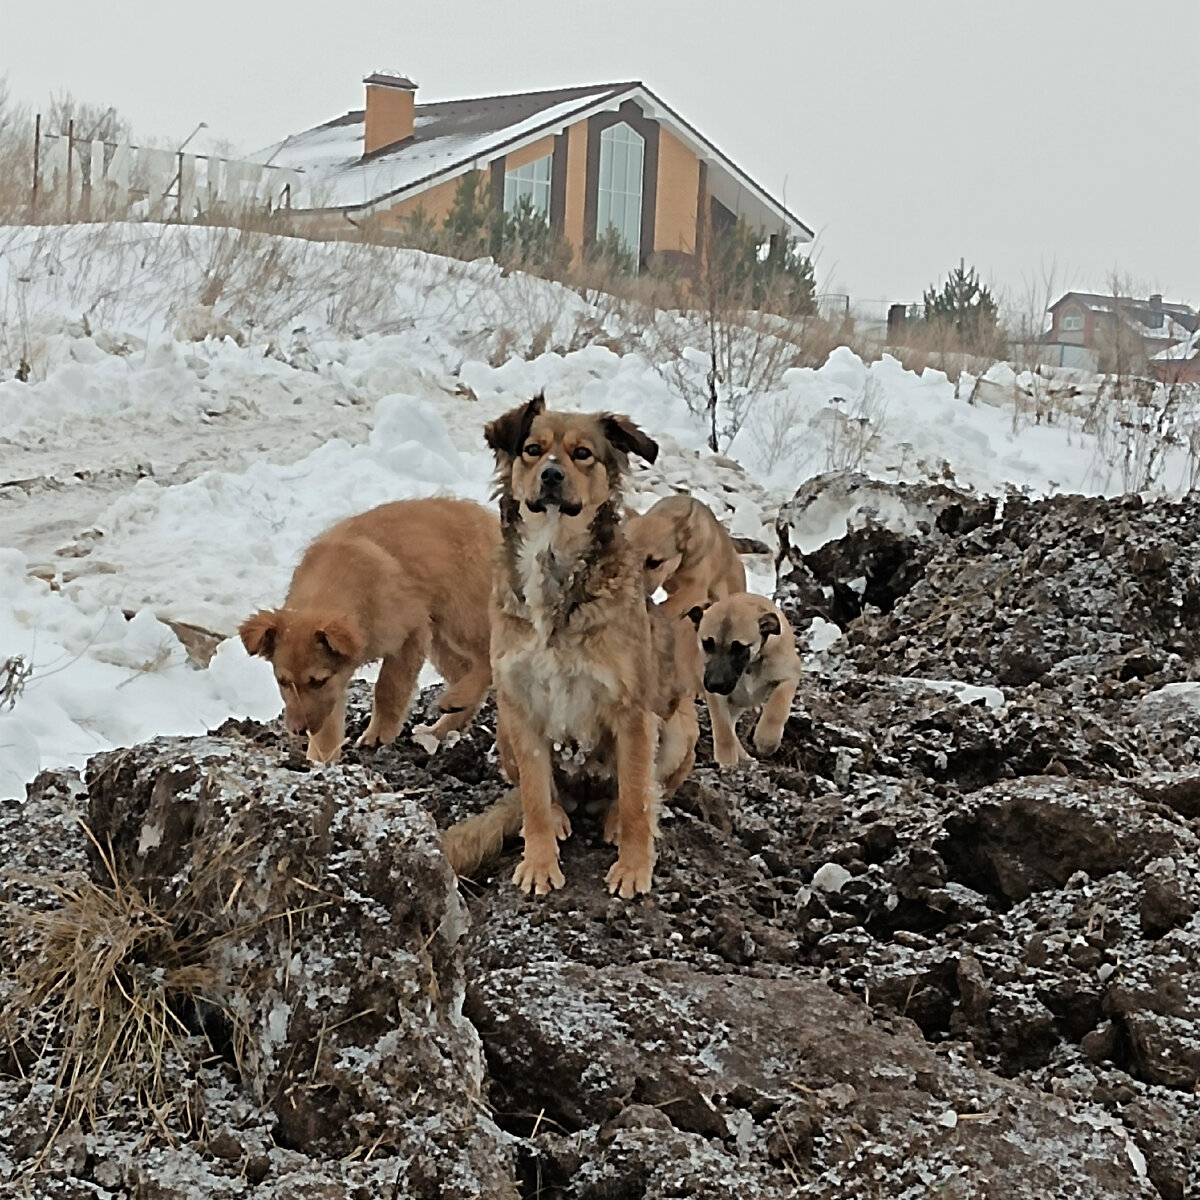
856 426
938 345
841 434
1034 389
1137 423
15 673
16 158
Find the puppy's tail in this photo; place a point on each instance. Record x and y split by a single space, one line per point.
471 843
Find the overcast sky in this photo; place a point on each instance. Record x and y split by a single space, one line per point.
909 133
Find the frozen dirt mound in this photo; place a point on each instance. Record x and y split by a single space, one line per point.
946 943
328 1056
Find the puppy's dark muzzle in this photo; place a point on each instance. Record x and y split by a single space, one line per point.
720 683
550 492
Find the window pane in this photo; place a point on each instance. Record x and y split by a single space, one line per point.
619 191
531 181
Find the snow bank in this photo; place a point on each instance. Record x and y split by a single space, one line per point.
204 402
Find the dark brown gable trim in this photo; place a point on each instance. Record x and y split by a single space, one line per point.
558 184
498 167
633 117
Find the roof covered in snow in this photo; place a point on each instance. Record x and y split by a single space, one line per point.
1150 312
452 137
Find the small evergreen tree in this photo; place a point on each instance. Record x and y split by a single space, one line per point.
527 238
778 278
609 250
964 305
470 227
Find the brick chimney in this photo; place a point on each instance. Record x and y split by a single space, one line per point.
391 100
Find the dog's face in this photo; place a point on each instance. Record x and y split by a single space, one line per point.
733 634
566 463
313 655
656 539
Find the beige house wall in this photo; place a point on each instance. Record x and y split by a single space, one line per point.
434 203
577 137
528 154
675 202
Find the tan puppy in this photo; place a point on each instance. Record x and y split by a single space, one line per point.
686 551
750 660
584 666
403 582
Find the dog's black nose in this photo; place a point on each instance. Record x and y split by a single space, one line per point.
552 476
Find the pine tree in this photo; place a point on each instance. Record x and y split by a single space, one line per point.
963 304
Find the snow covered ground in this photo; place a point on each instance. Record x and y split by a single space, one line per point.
150 474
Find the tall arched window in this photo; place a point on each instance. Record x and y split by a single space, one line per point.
619 194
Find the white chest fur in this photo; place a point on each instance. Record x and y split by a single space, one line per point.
564 692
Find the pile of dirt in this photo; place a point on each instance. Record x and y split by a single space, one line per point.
946 943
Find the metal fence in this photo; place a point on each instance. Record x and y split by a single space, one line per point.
83 179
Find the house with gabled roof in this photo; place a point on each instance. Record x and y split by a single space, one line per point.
1089 326
587 158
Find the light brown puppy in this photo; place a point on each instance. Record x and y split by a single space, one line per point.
686 551
584 666
403 582
750 660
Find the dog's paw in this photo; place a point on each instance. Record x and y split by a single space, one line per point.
562 823
629 877
323 754
373 736
767 742
540 875
729 757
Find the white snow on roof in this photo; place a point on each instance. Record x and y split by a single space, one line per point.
331 155
1182 351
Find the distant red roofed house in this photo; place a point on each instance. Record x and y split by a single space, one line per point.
1106 332
1179 363
587 157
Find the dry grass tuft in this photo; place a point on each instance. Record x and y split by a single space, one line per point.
111 987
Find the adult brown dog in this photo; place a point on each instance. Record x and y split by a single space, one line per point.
403 582
750 660
583 664
686 551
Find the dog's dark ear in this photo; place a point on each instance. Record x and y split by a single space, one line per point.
696 615
507 434
768 624
626 436
258 633
341 639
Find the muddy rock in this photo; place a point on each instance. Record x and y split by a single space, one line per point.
848 541
332 925
789 1088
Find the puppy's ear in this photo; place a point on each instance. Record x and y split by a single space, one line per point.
627 437
339 638
696 615
507 434
258 633
768 624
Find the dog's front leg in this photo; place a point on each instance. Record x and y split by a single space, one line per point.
637 803
325 744
768 733
727 746
462 698
394 690
538 871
